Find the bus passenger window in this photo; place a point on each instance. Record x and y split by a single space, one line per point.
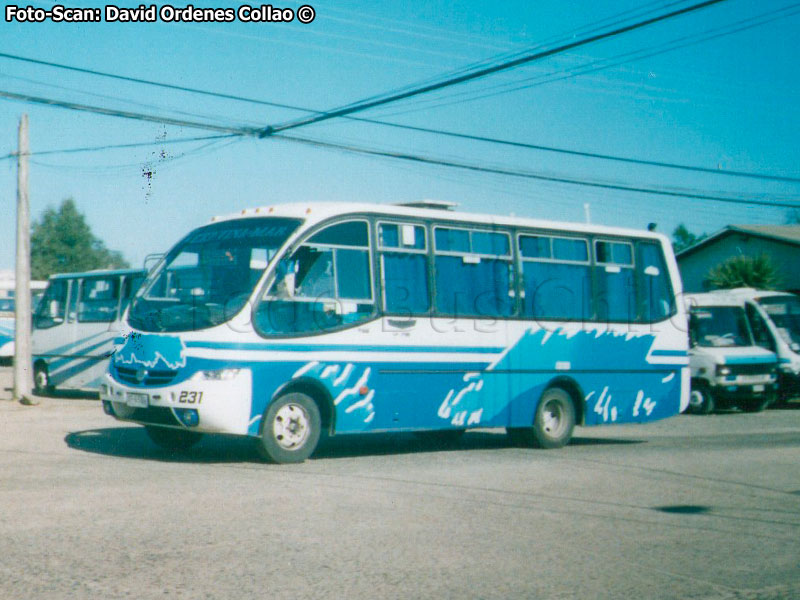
404 269
656 301
473 273
98 300
616 294
555 276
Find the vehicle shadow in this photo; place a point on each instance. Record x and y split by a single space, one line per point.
69 394
133 442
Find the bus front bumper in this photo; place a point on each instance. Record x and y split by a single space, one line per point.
211 406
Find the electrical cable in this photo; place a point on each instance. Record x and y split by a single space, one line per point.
361 106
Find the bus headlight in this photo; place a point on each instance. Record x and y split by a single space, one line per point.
215 375
722 370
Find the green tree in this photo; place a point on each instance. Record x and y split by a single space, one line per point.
62 242
682 238
745 271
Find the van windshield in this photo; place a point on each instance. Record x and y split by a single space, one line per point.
207 277
785 314
719 326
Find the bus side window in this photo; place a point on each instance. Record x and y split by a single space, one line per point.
761 333
404 269
98 300
614 274
555 277
656 300
52 309
473 273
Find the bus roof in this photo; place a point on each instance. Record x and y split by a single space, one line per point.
314 212
98 272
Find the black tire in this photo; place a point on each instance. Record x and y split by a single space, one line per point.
290 429
176 440
552 424
41 380
701 400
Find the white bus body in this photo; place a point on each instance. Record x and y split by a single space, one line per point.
7 313
75 325
281 321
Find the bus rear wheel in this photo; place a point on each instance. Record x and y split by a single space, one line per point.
41 380
290 429
552 424
176 440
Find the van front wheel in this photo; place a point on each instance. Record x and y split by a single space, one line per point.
701 401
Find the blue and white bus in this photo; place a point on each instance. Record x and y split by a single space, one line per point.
8 309
75 325
284 322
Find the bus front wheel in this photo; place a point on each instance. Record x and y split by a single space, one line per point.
552 424
291 429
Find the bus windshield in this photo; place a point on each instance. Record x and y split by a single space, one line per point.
719 326
207 278
785 314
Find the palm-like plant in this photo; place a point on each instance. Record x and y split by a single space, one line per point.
744 271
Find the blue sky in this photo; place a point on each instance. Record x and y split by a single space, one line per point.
728 103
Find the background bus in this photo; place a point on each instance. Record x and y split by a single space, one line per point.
285 321
7 311
75 324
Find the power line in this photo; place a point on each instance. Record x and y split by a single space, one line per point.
361 106
531 175
566 151
121 146
246 131
128 115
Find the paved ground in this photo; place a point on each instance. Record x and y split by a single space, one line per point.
691 507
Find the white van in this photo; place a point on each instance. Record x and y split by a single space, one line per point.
75 324
728 368
775 318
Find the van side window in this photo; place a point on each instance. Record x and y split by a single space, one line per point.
325 284
53 306
98 300
761 333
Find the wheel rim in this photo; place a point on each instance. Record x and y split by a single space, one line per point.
40 379
553 420
291 426
696 398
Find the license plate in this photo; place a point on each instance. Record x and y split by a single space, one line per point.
137 400
758 388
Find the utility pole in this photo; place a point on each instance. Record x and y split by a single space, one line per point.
23 379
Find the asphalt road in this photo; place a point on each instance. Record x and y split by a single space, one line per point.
691 508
